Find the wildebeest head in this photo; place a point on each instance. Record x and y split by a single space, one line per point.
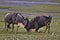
26 24
20 19
48 18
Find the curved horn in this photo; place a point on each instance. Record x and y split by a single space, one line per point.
21 15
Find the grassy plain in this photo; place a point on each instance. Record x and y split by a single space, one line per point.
54 34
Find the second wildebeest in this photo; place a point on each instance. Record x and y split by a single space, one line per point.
38 22
13 18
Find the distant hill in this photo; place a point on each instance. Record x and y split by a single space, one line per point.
55 1
35 0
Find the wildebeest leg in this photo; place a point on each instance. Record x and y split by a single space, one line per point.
17 28
36 26
46 24
28 30
7 25
12 27
47 27
37 29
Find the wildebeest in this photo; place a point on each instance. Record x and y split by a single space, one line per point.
38 22
13 18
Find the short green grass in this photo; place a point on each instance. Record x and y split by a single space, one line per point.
22 34
34 8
